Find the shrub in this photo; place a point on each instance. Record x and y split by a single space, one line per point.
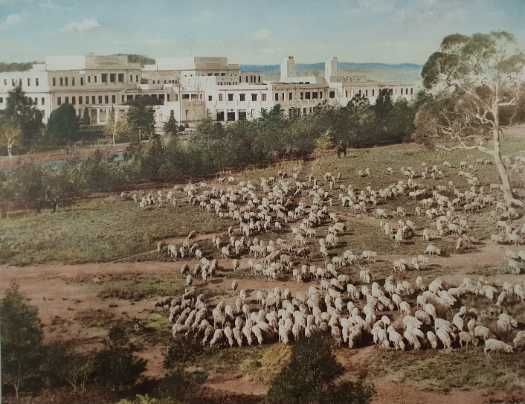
21 342
116 366
310 377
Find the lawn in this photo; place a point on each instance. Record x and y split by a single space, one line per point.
97 230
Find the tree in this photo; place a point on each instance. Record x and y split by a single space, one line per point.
63 125
21 341
472 78
141 118
311 374
116 366
116 128
22 114
10 136
170 126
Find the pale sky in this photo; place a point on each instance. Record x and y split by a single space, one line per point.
262 31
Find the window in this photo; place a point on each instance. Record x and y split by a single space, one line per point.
220 97
131 78
106 99
220 115
320 94
37 82
307 95
29 82
373 92
230 116
80 99
43 101
1 100
67 100
121 77
73 82
100 99
95 78
93 99
104 78
315 94
331 94
66 81
412 91
113 99
254 97
73 100
210 98
263 97
137 78
13 82
301 95
185 96
230 97
290 96
82 81
61 81
59 100
112 77
89 79
242 97
242 115
276 97
122 99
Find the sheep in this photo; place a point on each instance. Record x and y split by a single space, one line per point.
495 345
431 249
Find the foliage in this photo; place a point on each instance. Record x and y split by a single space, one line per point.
21 341
15 67
310 377
181 351
116 366
62 126
22 114
170 126
471 78
117 129
10 136
141 119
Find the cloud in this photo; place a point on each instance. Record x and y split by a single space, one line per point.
85 25
9 21
262 34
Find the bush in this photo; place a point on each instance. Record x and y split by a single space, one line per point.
21 342
310 377
116 366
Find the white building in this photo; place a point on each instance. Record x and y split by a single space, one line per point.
192 88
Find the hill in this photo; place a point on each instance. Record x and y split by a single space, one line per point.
404 72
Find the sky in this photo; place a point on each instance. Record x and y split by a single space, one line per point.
249 32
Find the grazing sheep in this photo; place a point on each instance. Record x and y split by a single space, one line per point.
495 345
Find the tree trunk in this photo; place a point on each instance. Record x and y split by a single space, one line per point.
9 149
500 166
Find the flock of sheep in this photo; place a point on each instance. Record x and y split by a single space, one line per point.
344 297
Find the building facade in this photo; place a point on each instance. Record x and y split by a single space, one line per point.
191 88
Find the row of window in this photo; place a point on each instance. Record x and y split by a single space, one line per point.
403 91
29 81
230 116
250 79
306 95
242 97
102 99
34 100
104 79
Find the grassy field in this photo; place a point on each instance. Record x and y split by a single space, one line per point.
96 230
443 371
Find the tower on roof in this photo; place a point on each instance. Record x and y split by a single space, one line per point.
287 68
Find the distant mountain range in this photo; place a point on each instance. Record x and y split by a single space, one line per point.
405 72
